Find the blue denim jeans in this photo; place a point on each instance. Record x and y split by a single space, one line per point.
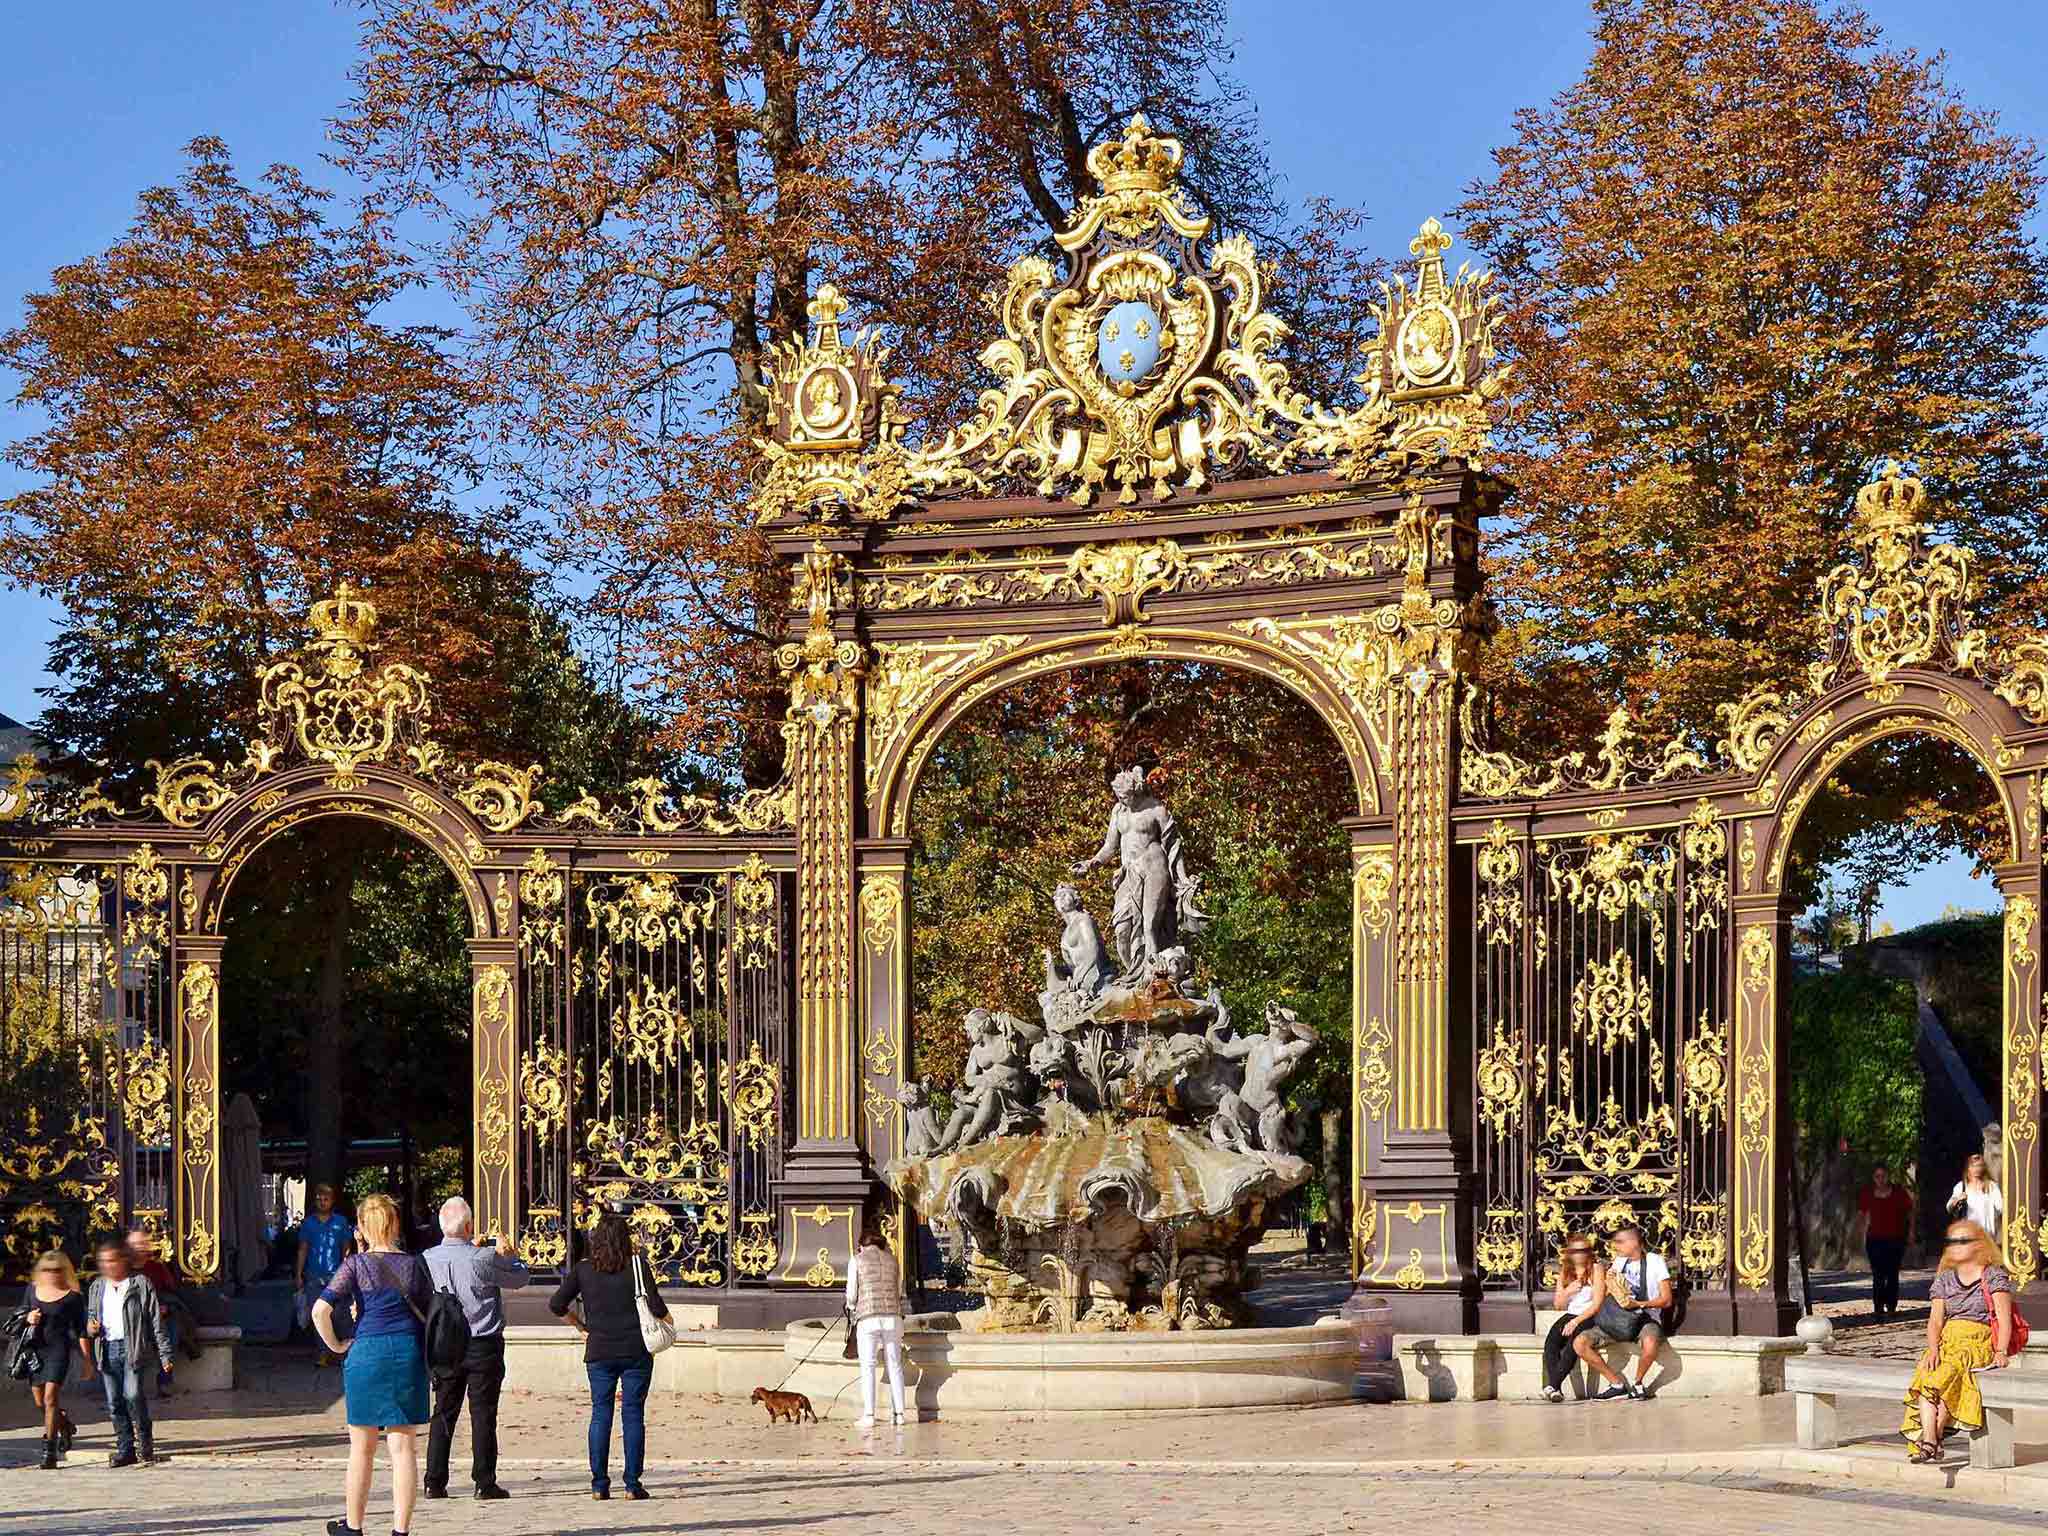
126 1404
630 1379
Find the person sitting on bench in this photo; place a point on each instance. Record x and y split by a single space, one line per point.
1969 1329
1581 1287
1639 1293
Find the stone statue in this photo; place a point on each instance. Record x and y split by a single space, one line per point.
1155 894
998 1089
1270 1060
920 1120
1082 965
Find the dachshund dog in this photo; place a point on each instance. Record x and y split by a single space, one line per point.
793 1406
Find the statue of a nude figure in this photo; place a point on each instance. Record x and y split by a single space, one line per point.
1269 1061
1082 965
1154 891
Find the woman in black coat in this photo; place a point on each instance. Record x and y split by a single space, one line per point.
614 1358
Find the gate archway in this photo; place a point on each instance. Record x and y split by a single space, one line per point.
1566 989
629 993
1673 862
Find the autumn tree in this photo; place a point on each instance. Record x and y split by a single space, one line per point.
229 427
635 199
1751 252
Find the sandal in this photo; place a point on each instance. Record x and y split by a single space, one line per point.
1923 1451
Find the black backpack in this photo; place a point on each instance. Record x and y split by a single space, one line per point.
447 1331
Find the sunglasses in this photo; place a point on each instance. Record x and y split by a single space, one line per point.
1957 1242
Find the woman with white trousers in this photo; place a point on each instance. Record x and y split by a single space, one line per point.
874 1298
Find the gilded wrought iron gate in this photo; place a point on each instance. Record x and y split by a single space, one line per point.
86 1032
652 1069
1600 1045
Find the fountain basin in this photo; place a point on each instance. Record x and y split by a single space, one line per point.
949 1371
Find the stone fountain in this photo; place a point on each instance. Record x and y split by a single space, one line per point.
1109 1165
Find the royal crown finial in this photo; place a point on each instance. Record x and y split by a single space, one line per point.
1137 162
345 617
1892 501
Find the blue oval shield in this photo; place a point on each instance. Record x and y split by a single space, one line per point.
1127 342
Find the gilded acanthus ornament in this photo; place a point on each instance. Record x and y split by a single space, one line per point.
824 671
833 443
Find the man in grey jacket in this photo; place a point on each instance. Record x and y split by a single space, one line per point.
476 1275
126 1325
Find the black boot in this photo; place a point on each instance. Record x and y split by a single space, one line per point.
148 1448
49 1455
66 1430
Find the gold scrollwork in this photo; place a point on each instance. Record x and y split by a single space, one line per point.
905 677
493 1014
1753 1255
648 1029
1619 871
1502 1248
541 923
1704 1248
1502 1087
146 1092
187 791
1903 602
1374 1076
752 1090
545 1089
1373 889
755 1251
1704 1069
755 935
1610 1002
881 910
331 707
1500 885
500 795
1412 1276
821 1276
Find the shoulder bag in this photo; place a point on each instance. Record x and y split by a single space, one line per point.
656 1333
2020 1331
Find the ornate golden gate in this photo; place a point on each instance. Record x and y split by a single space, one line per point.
1566 977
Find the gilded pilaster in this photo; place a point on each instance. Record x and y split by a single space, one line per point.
2026 1224
195 1123
1758 1112
494 1047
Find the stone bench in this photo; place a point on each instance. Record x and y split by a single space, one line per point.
1509 1366
1818 1380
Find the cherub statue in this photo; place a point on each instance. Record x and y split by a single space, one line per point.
1270 1060
997 1090
920 1120
1155 893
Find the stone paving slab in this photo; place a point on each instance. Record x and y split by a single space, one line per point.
864 1496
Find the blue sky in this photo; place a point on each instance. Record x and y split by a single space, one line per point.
1365 103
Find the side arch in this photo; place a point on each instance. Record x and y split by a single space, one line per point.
269 810
1957 709
1842 724
907 719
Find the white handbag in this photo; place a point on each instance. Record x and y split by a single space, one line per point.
656 1333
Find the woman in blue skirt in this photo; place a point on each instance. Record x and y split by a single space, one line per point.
384 1364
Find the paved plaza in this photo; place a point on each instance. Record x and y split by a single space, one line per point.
269 1464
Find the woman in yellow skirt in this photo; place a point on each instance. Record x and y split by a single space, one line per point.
1969 1329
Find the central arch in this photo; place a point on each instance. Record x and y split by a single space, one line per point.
902 753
